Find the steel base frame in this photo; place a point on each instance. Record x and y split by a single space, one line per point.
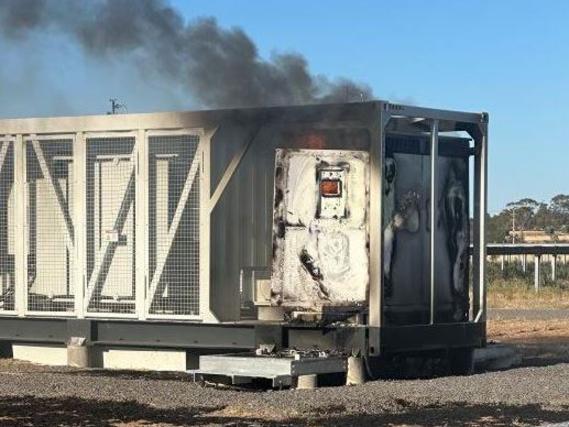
201 337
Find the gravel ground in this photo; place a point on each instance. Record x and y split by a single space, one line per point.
534 394
47 397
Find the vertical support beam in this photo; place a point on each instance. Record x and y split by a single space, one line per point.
524 263
553 267
537 263
502 262
80 220
480 207
433 216
205 217
141 224
3 152
377 152
20 227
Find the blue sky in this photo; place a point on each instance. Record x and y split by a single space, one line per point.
510 58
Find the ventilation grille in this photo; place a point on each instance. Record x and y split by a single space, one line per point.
111 239
174 219
7 251
49 226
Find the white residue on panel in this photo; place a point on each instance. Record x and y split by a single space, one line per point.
320 261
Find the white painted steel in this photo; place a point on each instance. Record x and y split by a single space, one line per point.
7 218
91 269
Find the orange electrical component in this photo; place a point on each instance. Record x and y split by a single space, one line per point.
330 188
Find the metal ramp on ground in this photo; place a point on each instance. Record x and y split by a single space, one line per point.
281 369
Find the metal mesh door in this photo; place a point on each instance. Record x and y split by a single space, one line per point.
7 226
110 225
174 216
49 229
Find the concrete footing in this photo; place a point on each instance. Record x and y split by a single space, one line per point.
356 371
78 356
42 354
307 382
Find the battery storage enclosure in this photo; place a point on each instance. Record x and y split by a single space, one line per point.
176 230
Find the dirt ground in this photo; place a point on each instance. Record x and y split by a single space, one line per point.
533 394
542 342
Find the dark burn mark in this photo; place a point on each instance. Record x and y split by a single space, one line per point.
279 196
310 265
281 229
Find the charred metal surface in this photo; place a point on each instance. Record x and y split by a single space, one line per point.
456 223
431 337
406 208
348 340
242 222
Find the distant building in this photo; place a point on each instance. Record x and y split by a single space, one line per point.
539 236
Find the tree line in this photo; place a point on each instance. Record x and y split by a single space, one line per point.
529 214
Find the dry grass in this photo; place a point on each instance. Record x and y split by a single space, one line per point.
520 293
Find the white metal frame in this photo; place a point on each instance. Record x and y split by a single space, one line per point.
4 149
79 129
89 284
197 171
68 216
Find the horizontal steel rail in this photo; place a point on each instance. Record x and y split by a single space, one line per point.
527 249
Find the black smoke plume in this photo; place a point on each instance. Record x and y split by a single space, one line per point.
219 67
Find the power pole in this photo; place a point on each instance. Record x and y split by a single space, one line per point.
513 225
116 107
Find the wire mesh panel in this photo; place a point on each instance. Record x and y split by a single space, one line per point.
49 228
110 225
174 216
7 282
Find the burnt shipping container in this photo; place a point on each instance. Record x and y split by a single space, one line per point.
344 227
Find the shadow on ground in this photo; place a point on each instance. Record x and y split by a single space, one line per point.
31 411
542 351
456 414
